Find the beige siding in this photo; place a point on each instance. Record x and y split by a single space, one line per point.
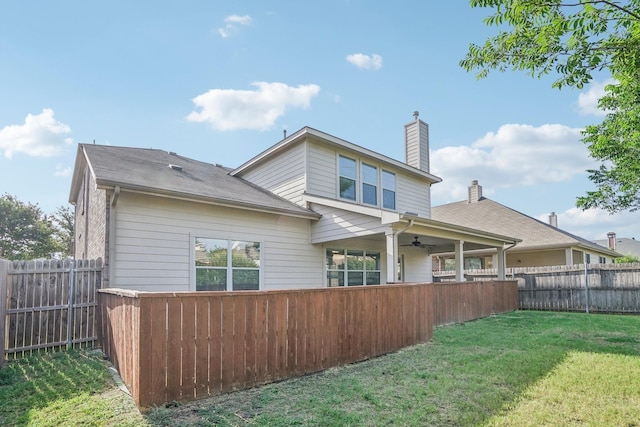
536 258
417 265
283 174
337 224
413 195
323 170
154 243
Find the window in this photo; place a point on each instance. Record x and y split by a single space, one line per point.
352 267
227 265
388 190
347 178
369 184
602 260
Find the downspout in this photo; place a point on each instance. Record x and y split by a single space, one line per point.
112 233
504 253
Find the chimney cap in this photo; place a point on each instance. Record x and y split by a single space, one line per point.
416 114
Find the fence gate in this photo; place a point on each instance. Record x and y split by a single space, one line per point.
50 303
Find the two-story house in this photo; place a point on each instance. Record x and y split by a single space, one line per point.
311 211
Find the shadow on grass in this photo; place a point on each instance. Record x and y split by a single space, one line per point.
29 384
468 374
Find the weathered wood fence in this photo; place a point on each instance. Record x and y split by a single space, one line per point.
606 288
188 345
49 303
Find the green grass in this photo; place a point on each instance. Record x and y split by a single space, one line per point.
516 369
63 388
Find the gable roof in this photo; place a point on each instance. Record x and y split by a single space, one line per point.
624 245
166 173
488 215
325 138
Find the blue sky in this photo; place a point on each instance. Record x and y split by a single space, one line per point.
220 80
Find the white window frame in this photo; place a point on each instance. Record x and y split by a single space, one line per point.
229 268
376 185
356 181
383 188
345 271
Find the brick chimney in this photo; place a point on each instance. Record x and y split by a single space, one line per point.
612 240
553 220
475 192
416 138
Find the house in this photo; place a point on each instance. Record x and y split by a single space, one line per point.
622 245
313 210
541 244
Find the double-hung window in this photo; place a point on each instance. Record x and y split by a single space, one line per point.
388 190
348 174
227 265
352 267
369 184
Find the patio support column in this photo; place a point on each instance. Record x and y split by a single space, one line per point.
568 256
392 255
501 264
459 260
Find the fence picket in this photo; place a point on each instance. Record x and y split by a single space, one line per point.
39 311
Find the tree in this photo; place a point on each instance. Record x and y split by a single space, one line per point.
627 259
574 39
63 222
25 233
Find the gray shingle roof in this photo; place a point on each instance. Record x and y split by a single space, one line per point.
624 245
146 169
494 217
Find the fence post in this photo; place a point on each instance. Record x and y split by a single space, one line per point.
72 292
586 285
4 282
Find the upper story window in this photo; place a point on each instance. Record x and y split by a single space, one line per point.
388 190
227 265
369 184
377 187
348 176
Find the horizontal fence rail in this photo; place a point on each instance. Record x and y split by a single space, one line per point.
49 303
189 345
605 288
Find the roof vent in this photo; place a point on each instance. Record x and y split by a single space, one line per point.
175 167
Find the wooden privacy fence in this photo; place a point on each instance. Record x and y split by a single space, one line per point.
188 345
49 303
607 288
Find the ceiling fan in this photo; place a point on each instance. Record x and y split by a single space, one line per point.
416 243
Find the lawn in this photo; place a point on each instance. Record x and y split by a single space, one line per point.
515 369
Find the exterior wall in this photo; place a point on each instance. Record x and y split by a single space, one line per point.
337 224
90 221
536 259
155 236
323 171
417 265
283 175
412 194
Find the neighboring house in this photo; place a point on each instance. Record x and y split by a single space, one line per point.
622 245
311 211
541 244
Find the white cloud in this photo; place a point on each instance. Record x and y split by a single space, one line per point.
365 62
588 100
516 155
63 171
594 224
230 109
40 136
232 23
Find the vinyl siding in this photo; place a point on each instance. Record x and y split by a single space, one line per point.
337 224
412 194
323 170
283 174
154 243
